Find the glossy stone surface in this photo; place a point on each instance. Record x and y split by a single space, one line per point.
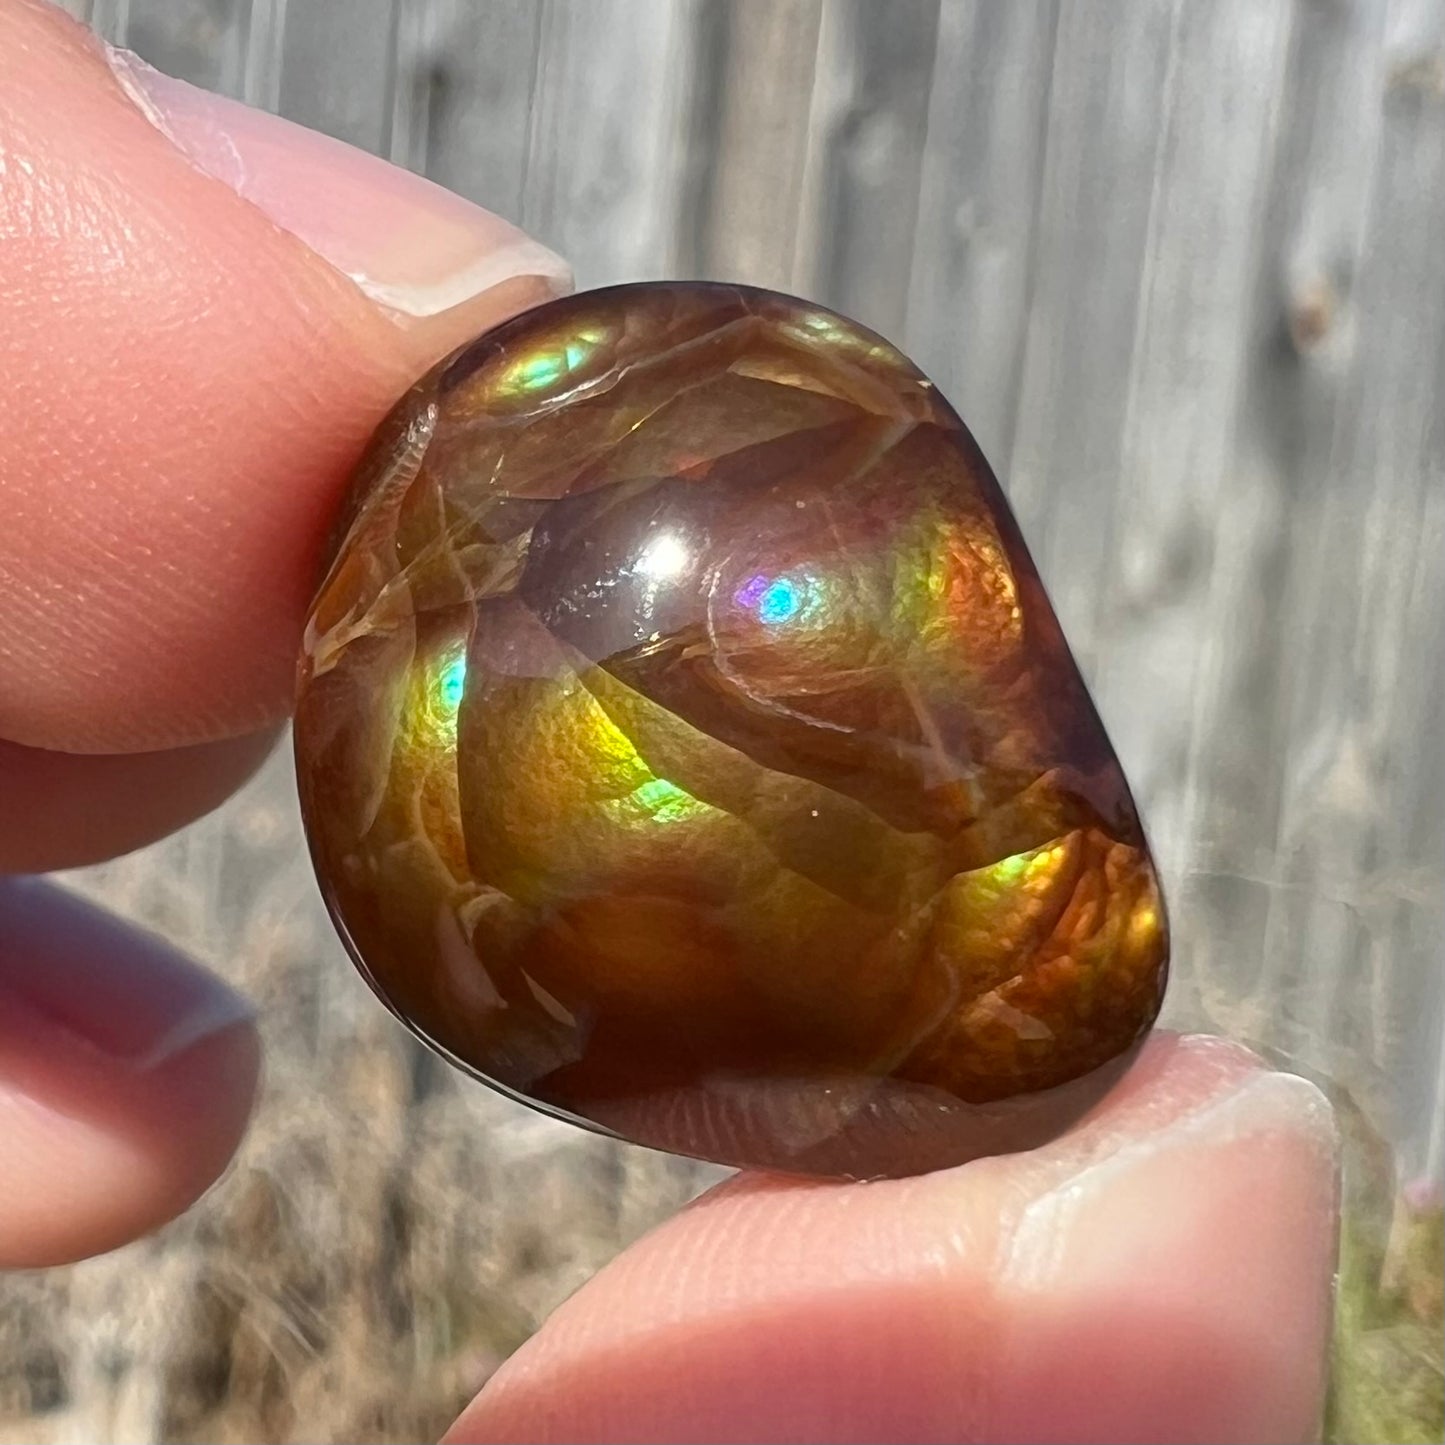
688 747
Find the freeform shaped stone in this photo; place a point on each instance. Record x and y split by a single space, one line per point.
687 747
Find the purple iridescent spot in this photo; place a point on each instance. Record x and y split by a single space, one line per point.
774 600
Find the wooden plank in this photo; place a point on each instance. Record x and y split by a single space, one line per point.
464 90
606 154
342 89
1353 941
1268 538
752 94
1107 110
1398 630
1175 531
203 41
982 171
862 173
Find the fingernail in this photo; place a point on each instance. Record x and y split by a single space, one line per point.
409 244
1193 1265
1064 1233
102 982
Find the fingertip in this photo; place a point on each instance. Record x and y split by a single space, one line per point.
127 1077
66 810
1162 1273
81 1178
200 357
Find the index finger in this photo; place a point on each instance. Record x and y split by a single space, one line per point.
205 311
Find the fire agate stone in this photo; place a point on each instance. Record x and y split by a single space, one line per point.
687 747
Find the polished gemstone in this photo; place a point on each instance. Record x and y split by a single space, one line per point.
687 747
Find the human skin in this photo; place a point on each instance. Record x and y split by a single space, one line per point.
169 284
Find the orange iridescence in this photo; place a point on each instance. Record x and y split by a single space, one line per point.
687 745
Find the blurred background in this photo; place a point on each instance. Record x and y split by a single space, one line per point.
1180 264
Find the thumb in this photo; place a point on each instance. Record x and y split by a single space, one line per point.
204 311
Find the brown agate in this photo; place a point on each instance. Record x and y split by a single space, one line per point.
688 747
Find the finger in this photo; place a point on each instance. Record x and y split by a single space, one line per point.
205 311
1160 1274
127 1075
63 810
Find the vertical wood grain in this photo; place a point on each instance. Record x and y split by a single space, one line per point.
750 103
466 80
1301 364
981 177
344 90
1177 525
1359 834
854 245
203 41
606 150
1110 87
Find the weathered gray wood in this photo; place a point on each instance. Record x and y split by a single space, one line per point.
605 158
203 41
982 174
465 80
1359 827
1178 524
860 182
298 69
1281 537
749 140
1109 87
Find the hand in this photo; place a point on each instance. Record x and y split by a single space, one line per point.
204 312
